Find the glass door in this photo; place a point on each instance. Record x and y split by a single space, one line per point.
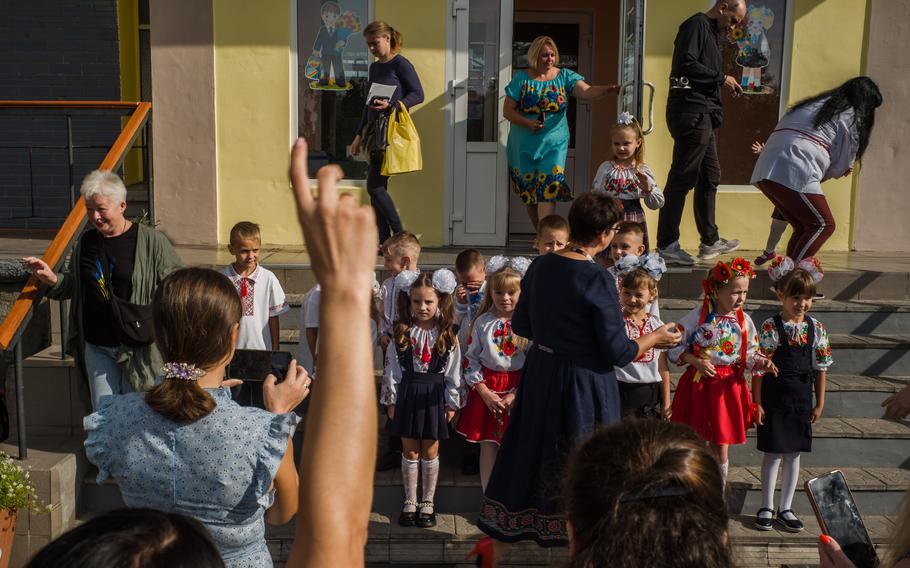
631 62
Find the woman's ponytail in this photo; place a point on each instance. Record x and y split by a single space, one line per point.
381 28
181 401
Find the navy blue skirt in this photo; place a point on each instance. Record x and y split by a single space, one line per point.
420 411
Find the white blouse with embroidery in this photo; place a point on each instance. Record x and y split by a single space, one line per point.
622 182
493 345
646 368
721 339
422 344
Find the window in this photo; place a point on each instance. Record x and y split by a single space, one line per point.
333 64
756 56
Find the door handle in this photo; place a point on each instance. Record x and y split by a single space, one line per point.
650 107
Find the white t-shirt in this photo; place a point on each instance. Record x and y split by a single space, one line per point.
646 368
261 298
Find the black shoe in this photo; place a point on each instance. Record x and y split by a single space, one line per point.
426 520
409 518
764 524
388 461
470 464
793 525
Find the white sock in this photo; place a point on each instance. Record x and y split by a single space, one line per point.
724 470
770 463
488 451
788 480
409 477
429 475
778 226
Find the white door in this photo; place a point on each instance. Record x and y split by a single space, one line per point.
631 56
573 34
482 47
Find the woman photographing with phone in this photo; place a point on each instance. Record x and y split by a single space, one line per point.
391 69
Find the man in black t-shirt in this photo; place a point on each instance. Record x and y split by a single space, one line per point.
694 111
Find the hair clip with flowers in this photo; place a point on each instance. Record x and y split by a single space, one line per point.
724 272
652 263
625 118
783 265
182 371
519 264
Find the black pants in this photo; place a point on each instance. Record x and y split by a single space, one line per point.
377 186
695 164
332 59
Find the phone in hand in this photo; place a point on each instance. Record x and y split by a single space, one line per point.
255 364
839 518
375 100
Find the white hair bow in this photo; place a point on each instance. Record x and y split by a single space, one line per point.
783 265
625 118
405 280
652 263
444 281
519 264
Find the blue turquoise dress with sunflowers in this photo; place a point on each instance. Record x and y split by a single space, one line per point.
537 160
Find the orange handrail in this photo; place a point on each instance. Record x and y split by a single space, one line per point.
75 221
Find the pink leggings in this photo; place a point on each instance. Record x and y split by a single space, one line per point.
808 214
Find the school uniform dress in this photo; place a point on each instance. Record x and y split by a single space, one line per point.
719 408
787 397
421 384
569 310
640 381
621 182
494 357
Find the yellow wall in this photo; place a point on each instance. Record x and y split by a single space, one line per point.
128 33
816 65
420 196
253 102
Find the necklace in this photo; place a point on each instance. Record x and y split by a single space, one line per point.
582 252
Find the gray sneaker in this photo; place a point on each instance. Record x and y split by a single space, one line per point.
673 254
722 246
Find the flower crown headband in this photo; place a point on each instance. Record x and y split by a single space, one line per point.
625 118
783 265
443 280
724 272
519 264
651 263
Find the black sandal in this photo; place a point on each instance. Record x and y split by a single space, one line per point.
764 524
426 520
793 525
408 518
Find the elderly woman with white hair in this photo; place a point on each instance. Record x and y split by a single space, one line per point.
118 261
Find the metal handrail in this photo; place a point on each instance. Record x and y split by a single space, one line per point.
32 292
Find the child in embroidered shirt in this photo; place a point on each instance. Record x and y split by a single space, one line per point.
421 384
493 362
261 296
472 276
552 234
644 384
626 177
719 345
628 240
798 345
400 252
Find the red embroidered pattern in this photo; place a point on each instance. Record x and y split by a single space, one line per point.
245 289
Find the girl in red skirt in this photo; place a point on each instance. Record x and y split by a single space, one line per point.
719 344
493 362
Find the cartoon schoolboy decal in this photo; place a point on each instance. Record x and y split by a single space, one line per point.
325 66
754 50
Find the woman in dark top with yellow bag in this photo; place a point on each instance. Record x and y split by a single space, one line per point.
390 68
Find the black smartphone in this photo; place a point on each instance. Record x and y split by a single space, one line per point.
256 365
839 518
375 100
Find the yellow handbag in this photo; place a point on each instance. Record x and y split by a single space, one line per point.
402 155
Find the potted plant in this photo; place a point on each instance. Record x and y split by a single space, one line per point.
17 492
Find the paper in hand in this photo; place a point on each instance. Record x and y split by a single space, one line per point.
380 91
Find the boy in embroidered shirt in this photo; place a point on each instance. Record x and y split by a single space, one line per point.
472 276
261 295
401 252
552 234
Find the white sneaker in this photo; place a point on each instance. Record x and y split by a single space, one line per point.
722 246
673 254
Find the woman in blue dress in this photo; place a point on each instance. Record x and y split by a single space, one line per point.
570 310
536 103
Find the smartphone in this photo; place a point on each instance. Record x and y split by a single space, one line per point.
839 518
255 365
375 100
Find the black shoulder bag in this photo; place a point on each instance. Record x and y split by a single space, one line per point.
134 321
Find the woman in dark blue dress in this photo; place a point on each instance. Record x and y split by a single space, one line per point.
569 308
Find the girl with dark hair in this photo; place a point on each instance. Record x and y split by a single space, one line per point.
185 446
646 493
132 538
819 139
570 311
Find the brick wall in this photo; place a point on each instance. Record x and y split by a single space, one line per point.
53 50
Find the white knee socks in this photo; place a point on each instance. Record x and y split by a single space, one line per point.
409 477
429 475
724 470
789 478
777 231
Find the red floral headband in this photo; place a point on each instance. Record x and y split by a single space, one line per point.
724 272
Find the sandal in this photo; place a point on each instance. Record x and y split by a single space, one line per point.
426 520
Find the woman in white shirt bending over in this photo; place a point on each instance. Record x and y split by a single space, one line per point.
817 140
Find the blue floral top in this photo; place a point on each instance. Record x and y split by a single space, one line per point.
218 469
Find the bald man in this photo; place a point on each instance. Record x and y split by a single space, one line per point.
694 112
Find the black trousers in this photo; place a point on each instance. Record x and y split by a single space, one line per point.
695 164
377 186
